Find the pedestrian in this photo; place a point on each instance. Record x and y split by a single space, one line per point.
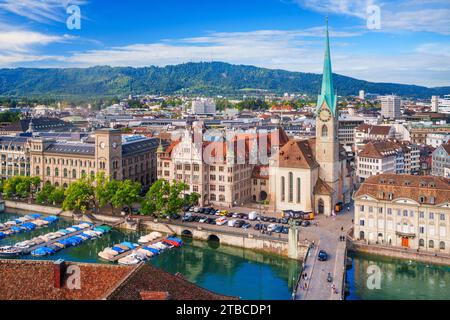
348 208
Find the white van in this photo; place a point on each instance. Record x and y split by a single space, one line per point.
252 216
232 223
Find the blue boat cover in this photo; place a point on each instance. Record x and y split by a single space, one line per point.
119 250
152 250
129 245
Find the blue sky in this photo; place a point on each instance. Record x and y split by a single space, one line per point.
411 45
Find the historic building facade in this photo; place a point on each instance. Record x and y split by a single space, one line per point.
61 163
404 211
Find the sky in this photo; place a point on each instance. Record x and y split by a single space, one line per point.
401 41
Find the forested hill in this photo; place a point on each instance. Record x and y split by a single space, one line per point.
195 78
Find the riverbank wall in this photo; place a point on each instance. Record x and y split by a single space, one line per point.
400 253
35 208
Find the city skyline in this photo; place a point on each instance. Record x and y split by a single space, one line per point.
410 47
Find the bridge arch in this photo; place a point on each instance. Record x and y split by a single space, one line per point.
186 233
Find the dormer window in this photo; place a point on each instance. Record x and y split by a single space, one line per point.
432 200
391 181
423 184
432 185
407 183
390 196
421 199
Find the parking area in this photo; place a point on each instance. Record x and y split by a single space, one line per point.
250 222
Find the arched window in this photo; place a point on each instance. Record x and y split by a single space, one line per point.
74 174
221 198
83 174
283 186
324 131
442 245
291 187
37 171
48 171
56 172
431 244
421 243
65 172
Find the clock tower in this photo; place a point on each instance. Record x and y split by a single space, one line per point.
108 152
327 123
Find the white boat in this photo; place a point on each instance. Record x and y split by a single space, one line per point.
147 253
9 251
105 255
132 259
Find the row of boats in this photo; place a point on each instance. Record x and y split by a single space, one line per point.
25 224
88 233
141 252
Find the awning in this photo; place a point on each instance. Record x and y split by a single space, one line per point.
405 235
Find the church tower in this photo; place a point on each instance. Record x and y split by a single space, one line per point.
327 123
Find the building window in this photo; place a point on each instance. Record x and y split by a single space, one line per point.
56 172
421 215
291 187
37 170
299 197
48 171
442 217
431 244
361 223
442 245
324 131
65 173
431 216
389 211
283 196
421 243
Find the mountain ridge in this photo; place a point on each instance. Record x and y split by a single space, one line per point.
209 78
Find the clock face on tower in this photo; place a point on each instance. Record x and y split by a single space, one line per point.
325 115
102 145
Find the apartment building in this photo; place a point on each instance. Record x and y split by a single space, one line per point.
404 211
387 157
15 156
440 160
365 133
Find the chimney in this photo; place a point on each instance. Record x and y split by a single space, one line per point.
58 273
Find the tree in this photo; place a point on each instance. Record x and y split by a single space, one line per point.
165 198
57 196
44 194
20 186
80 196
126 194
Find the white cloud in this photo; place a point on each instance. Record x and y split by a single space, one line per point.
23 40
43 11
399 15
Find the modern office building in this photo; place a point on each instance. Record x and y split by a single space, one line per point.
390 107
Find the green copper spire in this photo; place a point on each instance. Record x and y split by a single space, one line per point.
327 95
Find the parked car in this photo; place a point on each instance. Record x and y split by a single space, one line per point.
271 227
235 215
175 216
221 221
210 221
197 218
244 216
322 256
203 219
306 223
284 221
187 218
285 230
272 220
278 229
239 223
265 219
229 215
246 225
207 210
258 226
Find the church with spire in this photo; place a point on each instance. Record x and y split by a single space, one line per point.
314 175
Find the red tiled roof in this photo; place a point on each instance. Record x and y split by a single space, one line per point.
379 149
406 186
297 154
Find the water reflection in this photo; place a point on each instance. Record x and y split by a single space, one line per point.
400 279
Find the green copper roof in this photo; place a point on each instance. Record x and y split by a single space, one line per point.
327 95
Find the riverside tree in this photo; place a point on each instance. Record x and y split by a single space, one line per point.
165 198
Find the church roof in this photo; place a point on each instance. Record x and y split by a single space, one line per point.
322 187
298 154
327 95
